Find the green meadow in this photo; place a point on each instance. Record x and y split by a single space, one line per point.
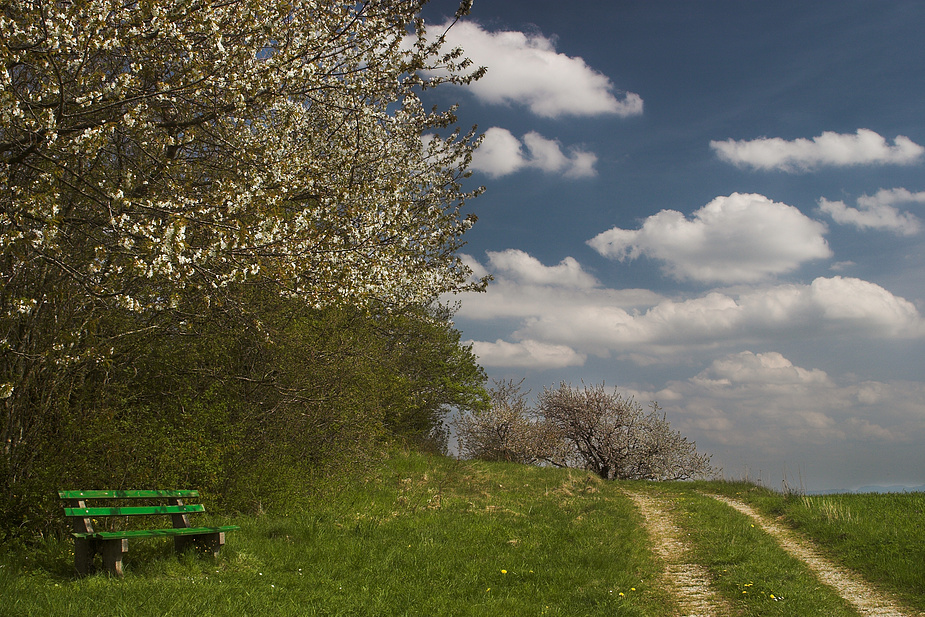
423 535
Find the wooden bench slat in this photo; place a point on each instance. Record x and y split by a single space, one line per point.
135 494
153 533
134 510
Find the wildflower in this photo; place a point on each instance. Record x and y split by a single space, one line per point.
503 571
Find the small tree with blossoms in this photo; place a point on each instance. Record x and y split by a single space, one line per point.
588 428
506 430
610 435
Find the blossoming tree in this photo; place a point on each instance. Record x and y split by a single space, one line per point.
159 153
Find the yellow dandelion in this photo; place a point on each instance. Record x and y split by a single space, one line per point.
503 571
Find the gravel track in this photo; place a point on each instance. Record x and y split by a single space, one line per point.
689 581
691 584
865 599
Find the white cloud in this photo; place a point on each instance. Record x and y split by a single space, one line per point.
730 390
739 238
877 211
501 154
856 303
525 354
761 402
562 305
759 370
888 197
526 69
828 149
761 411
524 268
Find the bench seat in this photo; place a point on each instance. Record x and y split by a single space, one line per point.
154 533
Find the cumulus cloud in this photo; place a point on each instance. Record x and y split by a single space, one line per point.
759 401
763 412
501 154
564 306
759 370
525 354
739 238
741 397
828 149
525 268
877 211
526 69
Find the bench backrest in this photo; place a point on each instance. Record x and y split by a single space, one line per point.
81 515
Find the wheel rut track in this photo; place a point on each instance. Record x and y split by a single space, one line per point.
862 596
691 584
689 581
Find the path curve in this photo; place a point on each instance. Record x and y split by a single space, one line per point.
865 599
689 581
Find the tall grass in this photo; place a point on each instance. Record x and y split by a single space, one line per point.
421 536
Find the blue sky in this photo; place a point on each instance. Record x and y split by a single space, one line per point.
716 205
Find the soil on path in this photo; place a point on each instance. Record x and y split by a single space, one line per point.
689 581
865 599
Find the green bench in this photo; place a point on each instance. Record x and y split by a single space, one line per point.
112 545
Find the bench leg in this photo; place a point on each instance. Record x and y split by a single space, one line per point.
113 550
207 542
84 549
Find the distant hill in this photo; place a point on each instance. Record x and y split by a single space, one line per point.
895 488
873 488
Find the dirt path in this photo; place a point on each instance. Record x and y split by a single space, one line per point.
865 599
689 581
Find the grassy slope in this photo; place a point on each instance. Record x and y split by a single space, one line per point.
423 537
430 536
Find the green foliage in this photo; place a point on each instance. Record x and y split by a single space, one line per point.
217 253
255 417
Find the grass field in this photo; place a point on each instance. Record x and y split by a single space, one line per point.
433 536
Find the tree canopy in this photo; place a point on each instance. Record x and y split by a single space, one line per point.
164 163
153 146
